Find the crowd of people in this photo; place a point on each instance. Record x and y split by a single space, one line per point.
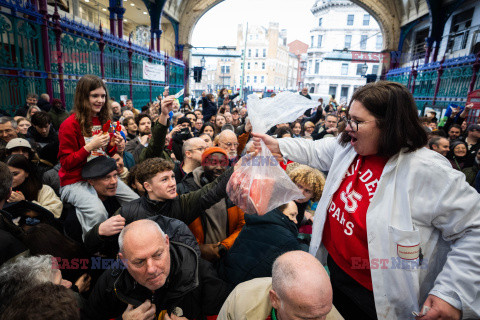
112 210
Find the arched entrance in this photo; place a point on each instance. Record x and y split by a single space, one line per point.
387 13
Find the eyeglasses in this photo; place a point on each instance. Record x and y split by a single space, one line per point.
354 123
230 144
309 127
199 149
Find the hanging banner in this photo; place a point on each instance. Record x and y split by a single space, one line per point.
155 72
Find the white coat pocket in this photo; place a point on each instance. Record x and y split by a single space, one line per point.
405 244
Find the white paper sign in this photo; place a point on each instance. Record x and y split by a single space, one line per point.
155 72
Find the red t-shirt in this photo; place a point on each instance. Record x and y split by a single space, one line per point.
345 230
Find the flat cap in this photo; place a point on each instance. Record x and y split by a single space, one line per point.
98 167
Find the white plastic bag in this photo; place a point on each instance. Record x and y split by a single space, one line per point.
284 107
260 184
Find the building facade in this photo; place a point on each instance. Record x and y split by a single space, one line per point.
268 63
344 46
299 49
438 58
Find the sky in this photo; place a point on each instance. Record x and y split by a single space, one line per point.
218 27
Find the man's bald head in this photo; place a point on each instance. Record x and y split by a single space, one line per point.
144 249
227 140
139 229
300 284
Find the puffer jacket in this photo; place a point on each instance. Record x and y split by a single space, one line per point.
175 229
261 241
191 286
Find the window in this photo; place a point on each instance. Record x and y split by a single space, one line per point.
317 66
225 69
344 69
309 66
375 69
263 79
254 79
263 65
363 42
320 22
319 42
459 30
249 53
359 69
348 41
256 53
311 42
366 19
264 53
379 43
248 65
344 93
248 78
332 90
350 20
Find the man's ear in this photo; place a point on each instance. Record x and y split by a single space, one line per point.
147 186
167 240
274 299
90 181
9 193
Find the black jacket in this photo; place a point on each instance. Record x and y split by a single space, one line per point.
261 241
209 109
10 238
191 286
175 229
185 207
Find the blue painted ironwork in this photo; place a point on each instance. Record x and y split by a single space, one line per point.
441 83
72 49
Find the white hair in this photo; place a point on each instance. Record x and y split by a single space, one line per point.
129 226
24 273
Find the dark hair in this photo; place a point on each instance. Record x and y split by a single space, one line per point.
81 103
32 184
43 301
140 116
396 116
127 120
45 239
150 167
132 174
282 131
434 141
220 94
32 95
455 126
41 119
292 125
5 181
207 124
425 119
190 112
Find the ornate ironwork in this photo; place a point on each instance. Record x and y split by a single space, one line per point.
72 49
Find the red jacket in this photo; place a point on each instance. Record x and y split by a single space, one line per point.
71 153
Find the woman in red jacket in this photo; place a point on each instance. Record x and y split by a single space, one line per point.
83 136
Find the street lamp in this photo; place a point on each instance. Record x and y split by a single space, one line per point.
202 62
364 69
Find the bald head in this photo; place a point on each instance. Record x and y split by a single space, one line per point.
227 140
300 284
137 232
144 249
